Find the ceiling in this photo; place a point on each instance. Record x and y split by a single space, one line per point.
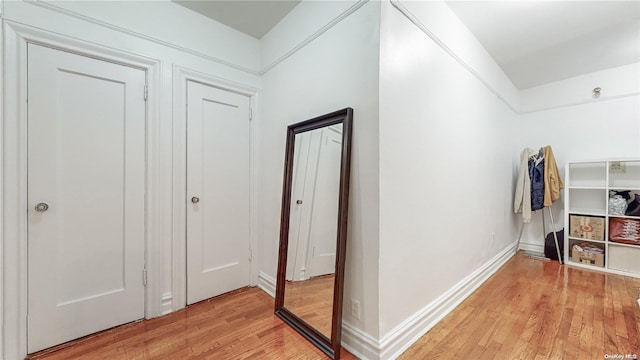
534 42
254 18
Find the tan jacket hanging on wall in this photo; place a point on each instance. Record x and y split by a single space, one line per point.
552 180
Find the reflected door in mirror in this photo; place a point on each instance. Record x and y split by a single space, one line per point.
313 226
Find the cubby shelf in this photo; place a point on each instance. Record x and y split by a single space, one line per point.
587 194
588 240
615 243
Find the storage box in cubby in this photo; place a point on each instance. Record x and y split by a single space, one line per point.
586 227
588 254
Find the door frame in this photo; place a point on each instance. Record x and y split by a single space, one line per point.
13 237
181 76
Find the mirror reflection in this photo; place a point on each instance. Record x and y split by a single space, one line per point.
313 226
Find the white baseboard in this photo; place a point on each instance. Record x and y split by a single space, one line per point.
359 343
398 340
267 284
167 303
532 247
409 331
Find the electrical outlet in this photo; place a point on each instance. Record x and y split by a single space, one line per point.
355 309
617 167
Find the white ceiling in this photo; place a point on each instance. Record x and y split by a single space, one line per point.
254 18
534 42
537 42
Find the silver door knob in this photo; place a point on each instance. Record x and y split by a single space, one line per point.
42 207
299 202
195 199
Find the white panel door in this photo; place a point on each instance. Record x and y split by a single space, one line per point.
323 233
304 167
218 231
86 184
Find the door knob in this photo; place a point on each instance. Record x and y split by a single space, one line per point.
195 199
42 207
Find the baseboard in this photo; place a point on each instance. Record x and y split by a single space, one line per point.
267 284
404 335
167 303
359 343
364 346
532 247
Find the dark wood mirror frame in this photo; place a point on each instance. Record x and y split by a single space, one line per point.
331 347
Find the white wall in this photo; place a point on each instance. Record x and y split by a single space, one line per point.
2 265
300 26
165 21
336 70
579 127
437 21
446 163
159 34
616 82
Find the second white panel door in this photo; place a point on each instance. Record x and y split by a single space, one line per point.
218 191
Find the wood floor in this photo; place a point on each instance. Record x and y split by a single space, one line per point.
317 309
532 309
238 325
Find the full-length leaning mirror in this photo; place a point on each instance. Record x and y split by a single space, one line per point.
313 228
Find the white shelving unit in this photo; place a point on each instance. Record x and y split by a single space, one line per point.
587 194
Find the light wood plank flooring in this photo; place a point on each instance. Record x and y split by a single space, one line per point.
315 310
532 309
238 325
